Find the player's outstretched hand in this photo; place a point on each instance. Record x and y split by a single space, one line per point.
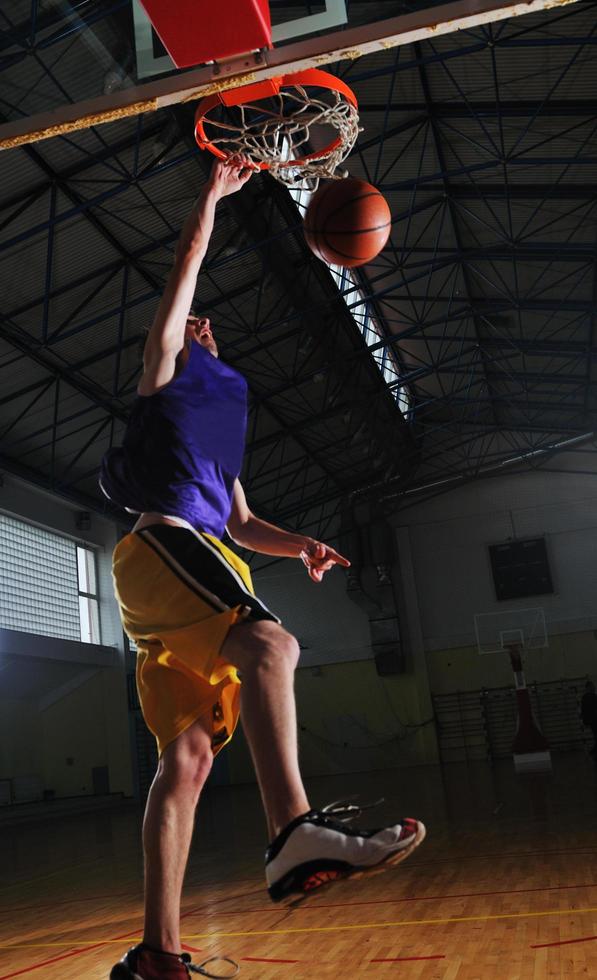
228 176
318 558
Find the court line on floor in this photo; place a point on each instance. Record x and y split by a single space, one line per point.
72 952
345 928
136 894
412 866
386 925
492 855
210 910
243 959
57 959
564 942
205 910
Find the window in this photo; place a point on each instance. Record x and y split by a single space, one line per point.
348 284
43 582
88 607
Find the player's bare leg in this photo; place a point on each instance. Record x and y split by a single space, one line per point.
167 830
266 656
308 848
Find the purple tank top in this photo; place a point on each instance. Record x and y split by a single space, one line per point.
183 447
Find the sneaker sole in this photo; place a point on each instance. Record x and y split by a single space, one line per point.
326 876
396 858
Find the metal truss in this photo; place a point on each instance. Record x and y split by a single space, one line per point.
486 293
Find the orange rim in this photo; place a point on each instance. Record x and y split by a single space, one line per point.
264 90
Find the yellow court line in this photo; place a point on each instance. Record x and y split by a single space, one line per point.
386 925
286 932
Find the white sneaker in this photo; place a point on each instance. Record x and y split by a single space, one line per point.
314 849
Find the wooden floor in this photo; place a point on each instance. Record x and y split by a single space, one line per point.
505 886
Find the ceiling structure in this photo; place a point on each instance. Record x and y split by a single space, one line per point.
484 144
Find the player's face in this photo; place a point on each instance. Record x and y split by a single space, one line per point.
199 330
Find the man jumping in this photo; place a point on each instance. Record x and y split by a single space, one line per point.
188 603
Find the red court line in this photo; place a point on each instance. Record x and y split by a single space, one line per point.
494 855
561 942
407 959
209 909
224 898
65 956
206 910
55 959
95 898
85 949
434 898
134 895
412 865
412 898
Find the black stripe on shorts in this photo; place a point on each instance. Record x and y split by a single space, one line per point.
203 568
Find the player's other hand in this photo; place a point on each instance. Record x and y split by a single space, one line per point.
228 176
318 558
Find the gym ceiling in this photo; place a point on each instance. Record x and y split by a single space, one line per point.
484 144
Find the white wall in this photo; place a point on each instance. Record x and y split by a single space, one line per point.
350 718
449 537
329 626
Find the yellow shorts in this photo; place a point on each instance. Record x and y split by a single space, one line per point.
179 592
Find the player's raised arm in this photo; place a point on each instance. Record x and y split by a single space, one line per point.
167 334
251 532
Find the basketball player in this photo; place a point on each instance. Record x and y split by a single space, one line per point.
188 603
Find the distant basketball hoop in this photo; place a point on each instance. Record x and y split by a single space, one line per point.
496 632
513 632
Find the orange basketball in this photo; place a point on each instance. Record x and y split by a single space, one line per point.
347 222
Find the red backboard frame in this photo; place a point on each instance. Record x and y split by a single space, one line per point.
196 31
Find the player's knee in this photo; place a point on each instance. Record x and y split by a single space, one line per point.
186 767
267 646
277 647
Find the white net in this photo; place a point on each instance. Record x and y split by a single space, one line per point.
285 129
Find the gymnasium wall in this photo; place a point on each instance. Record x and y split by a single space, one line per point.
449 536
350 718
446 577
329 627
97 712
19 737
63 707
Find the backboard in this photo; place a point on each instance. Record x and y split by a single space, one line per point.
296 20
69 66
496 632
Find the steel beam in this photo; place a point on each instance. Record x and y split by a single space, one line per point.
327 49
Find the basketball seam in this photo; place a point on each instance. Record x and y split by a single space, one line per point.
352 200
338 251
348 231
321 239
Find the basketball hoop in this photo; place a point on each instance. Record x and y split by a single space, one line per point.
276 122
